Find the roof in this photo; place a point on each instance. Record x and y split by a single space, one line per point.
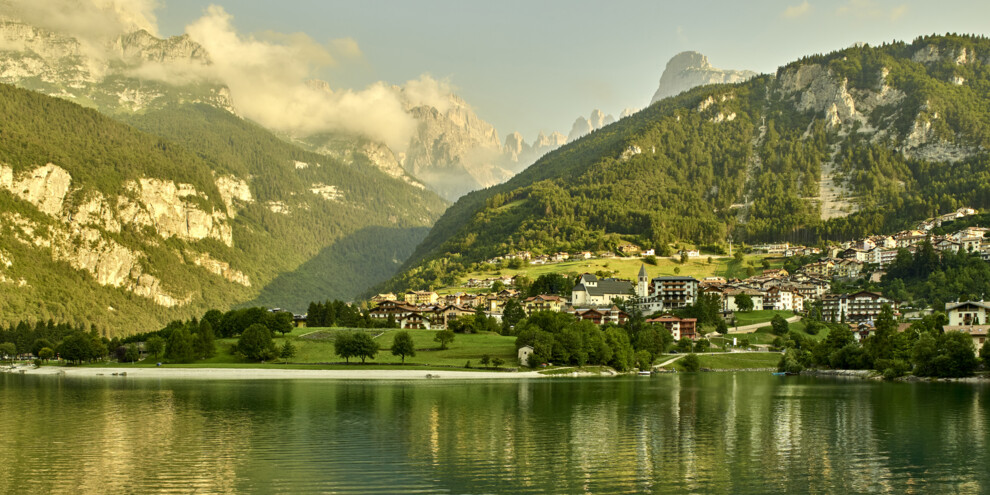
978 304
642 271
675 279
978 330
607 286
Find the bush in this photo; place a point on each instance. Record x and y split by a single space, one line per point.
691 363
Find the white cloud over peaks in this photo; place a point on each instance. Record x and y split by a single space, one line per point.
427 91
796 11
270 79
87 20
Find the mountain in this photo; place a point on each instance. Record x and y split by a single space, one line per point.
855 142
688 70
124 229
583 126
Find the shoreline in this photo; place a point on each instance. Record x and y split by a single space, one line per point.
271 374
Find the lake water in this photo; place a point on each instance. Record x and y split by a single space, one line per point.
706 433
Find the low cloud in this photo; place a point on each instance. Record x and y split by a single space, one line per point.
871 10
796 11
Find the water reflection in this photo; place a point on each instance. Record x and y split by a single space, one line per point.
706 433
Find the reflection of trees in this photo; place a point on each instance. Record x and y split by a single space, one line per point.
728 433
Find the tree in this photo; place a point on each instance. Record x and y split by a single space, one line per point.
497 362
765 263
40 344
280 322
364 346
691 363
511 314
444 337
343 345
684 258
131 353
778 325
288 351
256 343
738 256
486 360
744 302
402 345
8 350
180 346
206 340
46 353
155 346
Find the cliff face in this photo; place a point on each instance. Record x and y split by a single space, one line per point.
687 70
77 220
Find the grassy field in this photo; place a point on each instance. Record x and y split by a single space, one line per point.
736 361
629 268
761 316
314 350
763 335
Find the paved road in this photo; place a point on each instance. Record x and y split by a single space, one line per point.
756 326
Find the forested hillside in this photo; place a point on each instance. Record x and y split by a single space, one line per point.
104 224
859 141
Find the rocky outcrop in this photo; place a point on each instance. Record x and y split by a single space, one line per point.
44 187
159 204
687 70
583 126
218 267
234 192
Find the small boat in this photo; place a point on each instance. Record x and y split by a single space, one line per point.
779 373
645 373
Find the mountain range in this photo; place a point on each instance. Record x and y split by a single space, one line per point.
851 143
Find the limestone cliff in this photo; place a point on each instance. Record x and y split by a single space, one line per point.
687 70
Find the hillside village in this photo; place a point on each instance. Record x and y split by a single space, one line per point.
662 298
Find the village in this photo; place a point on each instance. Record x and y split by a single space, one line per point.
661 298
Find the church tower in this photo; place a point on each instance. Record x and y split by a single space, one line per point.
643 284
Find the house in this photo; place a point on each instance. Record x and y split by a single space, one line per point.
590 291
628 249
969 317
600 316
729 300
523 354
675 292
416 321
853 308
543 302
421 297
383 297
778 299
397 310
678 327
819 268
775 273
299 321
847 268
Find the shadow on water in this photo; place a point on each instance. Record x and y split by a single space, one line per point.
343 270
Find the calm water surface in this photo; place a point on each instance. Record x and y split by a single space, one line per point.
708 433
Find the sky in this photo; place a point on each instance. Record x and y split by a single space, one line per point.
537 65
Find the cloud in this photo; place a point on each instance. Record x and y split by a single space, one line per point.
271 81
272 76
870 10
88 20
796 11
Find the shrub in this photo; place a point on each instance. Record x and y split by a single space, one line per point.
691 363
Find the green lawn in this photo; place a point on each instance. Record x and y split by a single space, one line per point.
763 335
629 268
736 361
761 316
318 353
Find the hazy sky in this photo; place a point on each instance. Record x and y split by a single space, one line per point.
532 65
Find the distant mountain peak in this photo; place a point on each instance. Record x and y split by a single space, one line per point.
689 69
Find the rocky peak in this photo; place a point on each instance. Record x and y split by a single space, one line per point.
583 126
687 70
143 46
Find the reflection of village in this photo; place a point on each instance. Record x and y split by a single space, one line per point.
598 299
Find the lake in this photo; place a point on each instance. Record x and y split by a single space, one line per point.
703 433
